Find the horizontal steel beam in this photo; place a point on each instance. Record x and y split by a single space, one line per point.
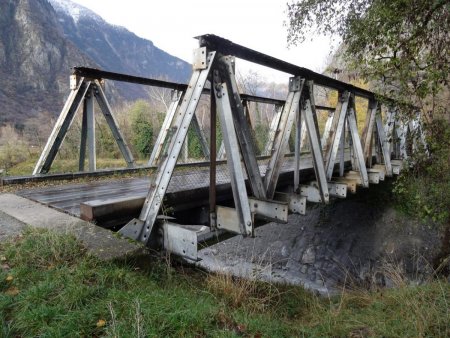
93 73
227 47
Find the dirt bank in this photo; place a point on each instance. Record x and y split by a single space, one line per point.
352 241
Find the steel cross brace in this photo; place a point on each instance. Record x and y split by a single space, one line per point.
141 228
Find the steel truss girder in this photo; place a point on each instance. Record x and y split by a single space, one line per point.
327 130
82 91
165 128
268 148
384 143
368 131
309 112
337 130
242 127
141 228
282 135
88 132
63 123
242 212
356 141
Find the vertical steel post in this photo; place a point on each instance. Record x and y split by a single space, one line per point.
90 119
384 143
342 154
297 150
273 130
83 138
326 132
213 164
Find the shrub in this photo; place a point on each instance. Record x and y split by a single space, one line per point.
424 189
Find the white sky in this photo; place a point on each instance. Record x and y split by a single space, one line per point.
172 24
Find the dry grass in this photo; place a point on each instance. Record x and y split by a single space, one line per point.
251 294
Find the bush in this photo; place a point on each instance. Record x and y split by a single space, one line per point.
424 189
142 128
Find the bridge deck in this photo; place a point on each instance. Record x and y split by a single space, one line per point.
184 181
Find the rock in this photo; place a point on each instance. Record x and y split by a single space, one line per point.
285 252
309 256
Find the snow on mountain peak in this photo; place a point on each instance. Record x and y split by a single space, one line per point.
74 10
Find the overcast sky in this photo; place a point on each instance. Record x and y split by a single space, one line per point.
172 24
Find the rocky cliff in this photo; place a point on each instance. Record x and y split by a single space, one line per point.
40 41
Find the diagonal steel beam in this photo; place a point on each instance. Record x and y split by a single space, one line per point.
79 87
337 129
356 141
283 134
141 228
242 127
113 125
314 140
201 136
162 135
384 143
273 130
230 141
368 130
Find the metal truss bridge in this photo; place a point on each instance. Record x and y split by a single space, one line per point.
242 182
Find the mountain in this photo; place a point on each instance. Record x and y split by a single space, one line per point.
116 49
41 40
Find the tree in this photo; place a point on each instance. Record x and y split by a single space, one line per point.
402 46
142 128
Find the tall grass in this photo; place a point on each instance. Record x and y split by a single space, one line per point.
50 287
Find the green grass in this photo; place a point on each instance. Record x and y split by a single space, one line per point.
49 287
66 165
